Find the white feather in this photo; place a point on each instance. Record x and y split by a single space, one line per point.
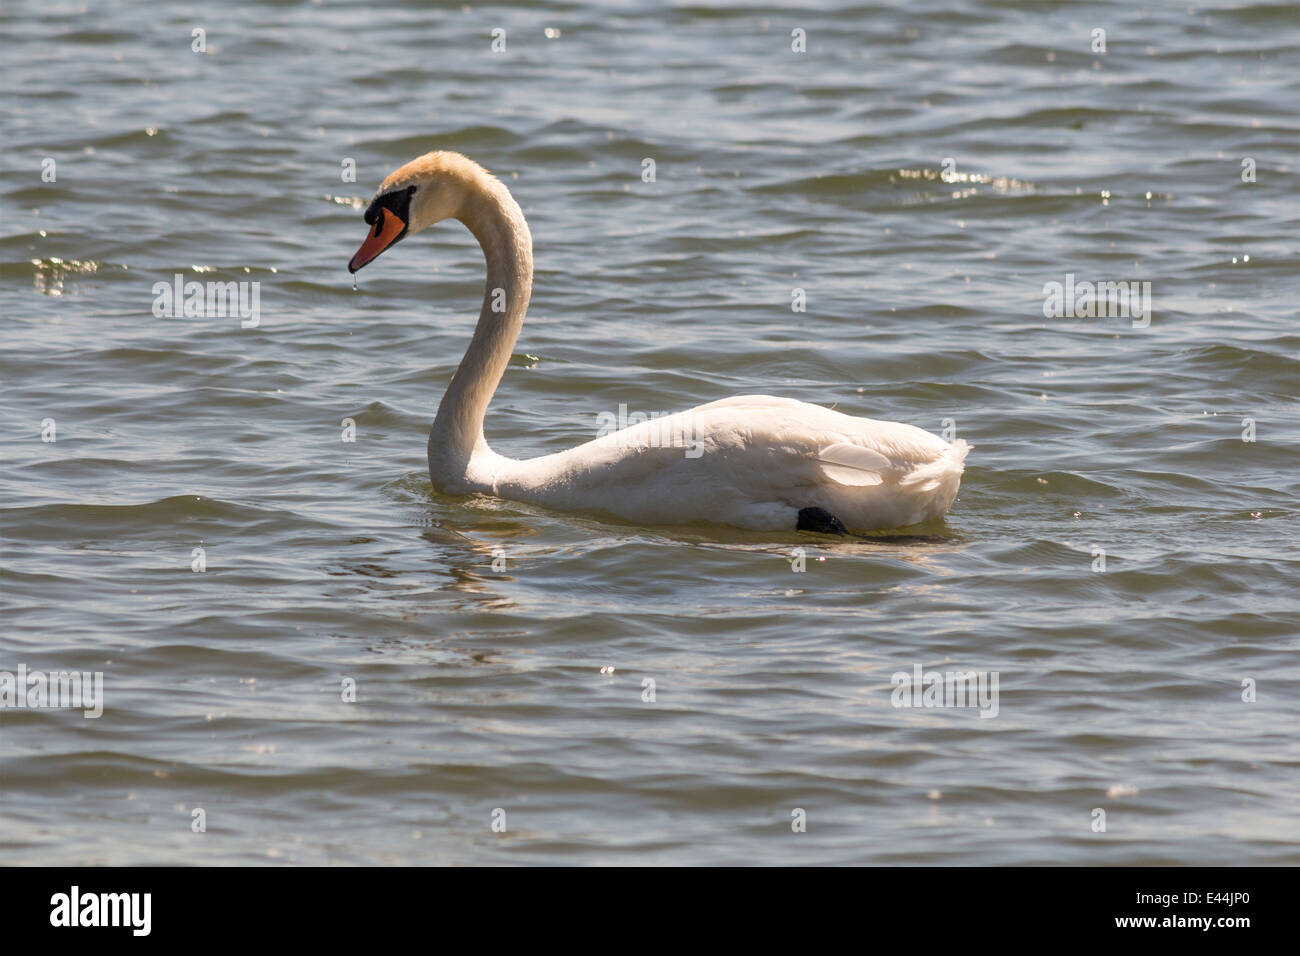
852 464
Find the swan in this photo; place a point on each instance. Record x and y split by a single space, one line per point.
754 461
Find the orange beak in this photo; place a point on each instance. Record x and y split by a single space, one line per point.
388 229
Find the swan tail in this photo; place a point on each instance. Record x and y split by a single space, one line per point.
948 467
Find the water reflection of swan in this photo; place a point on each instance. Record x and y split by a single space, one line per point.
754 461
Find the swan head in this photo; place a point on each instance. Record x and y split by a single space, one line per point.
414 197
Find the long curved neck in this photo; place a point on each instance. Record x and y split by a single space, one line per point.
497 222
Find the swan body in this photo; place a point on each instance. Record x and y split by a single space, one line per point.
754 461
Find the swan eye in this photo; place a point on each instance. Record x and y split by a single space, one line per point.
398 203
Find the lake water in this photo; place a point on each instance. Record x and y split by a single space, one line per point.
1122 554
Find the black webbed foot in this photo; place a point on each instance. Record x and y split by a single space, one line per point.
821 521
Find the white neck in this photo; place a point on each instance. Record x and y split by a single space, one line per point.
497 222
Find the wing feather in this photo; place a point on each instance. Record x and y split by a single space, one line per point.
853 465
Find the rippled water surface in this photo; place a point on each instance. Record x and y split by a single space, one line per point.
476 630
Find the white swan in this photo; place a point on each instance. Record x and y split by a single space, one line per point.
754 461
